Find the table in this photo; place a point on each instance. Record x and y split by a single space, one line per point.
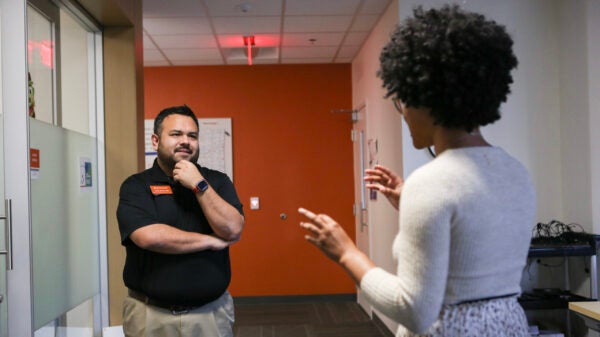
589 311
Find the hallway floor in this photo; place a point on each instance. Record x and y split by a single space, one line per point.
308 319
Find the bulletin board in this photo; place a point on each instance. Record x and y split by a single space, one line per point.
215 138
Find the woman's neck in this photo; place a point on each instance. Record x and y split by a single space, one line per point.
446 138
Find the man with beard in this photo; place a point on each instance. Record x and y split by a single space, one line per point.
177 220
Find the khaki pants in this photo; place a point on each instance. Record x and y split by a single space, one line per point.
214 319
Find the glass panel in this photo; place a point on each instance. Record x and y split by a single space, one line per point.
78 322
74 77
64 186
64 201
3 306
40 57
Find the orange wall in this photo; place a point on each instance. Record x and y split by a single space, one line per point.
289 149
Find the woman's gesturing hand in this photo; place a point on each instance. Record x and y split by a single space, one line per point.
326 234
384 180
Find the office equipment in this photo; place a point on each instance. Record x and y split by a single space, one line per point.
586 246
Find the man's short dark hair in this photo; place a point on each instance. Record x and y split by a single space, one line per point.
456 63
175 110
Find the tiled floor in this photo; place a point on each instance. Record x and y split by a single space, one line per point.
310 319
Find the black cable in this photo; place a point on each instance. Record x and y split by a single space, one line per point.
556 232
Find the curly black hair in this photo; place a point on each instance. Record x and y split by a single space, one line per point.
456 63
183 110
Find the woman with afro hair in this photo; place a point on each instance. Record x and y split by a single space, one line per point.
465 217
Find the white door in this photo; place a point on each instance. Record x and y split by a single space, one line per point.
359 141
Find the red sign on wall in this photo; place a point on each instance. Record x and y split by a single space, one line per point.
34 158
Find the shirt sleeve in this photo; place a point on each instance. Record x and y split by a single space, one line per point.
413 297
136 208
224 187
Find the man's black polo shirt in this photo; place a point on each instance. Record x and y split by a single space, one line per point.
177 279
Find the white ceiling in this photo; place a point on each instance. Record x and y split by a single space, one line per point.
210 32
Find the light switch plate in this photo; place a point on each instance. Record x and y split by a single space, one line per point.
254 203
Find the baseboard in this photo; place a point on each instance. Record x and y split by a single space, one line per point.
294 299
381 326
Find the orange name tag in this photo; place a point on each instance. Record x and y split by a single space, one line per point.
161 189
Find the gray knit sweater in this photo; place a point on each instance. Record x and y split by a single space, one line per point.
465 227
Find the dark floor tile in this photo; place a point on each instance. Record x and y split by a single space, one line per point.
340 312
275 314
345 330
290 331
314 319
247 331
272 331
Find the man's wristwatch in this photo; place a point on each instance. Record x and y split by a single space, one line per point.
201 186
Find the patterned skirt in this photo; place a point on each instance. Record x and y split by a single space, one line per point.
501 317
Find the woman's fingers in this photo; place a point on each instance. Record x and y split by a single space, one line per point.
319 220
310 215
309 227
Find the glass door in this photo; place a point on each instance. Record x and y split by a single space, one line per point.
15 276
5 228
64 178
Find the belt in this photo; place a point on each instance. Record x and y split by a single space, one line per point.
175 309
486 299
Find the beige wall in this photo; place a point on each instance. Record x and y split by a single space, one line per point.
124 109
385 125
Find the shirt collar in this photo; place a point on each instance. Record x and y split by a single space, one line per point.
158 175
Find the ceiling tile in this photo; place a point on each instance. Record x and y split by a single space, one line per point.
348 51
240 61
184 30
192 54
321 7
305 60
303 24
178 8
364 23
237 7
185 41
308 52
265 61
148 43
171 26
374 6
156 63
199 62
343 60
355 38
153 55
246 26
304 39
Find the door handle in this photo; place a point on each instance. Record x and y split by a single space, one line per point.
363 202
8 234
